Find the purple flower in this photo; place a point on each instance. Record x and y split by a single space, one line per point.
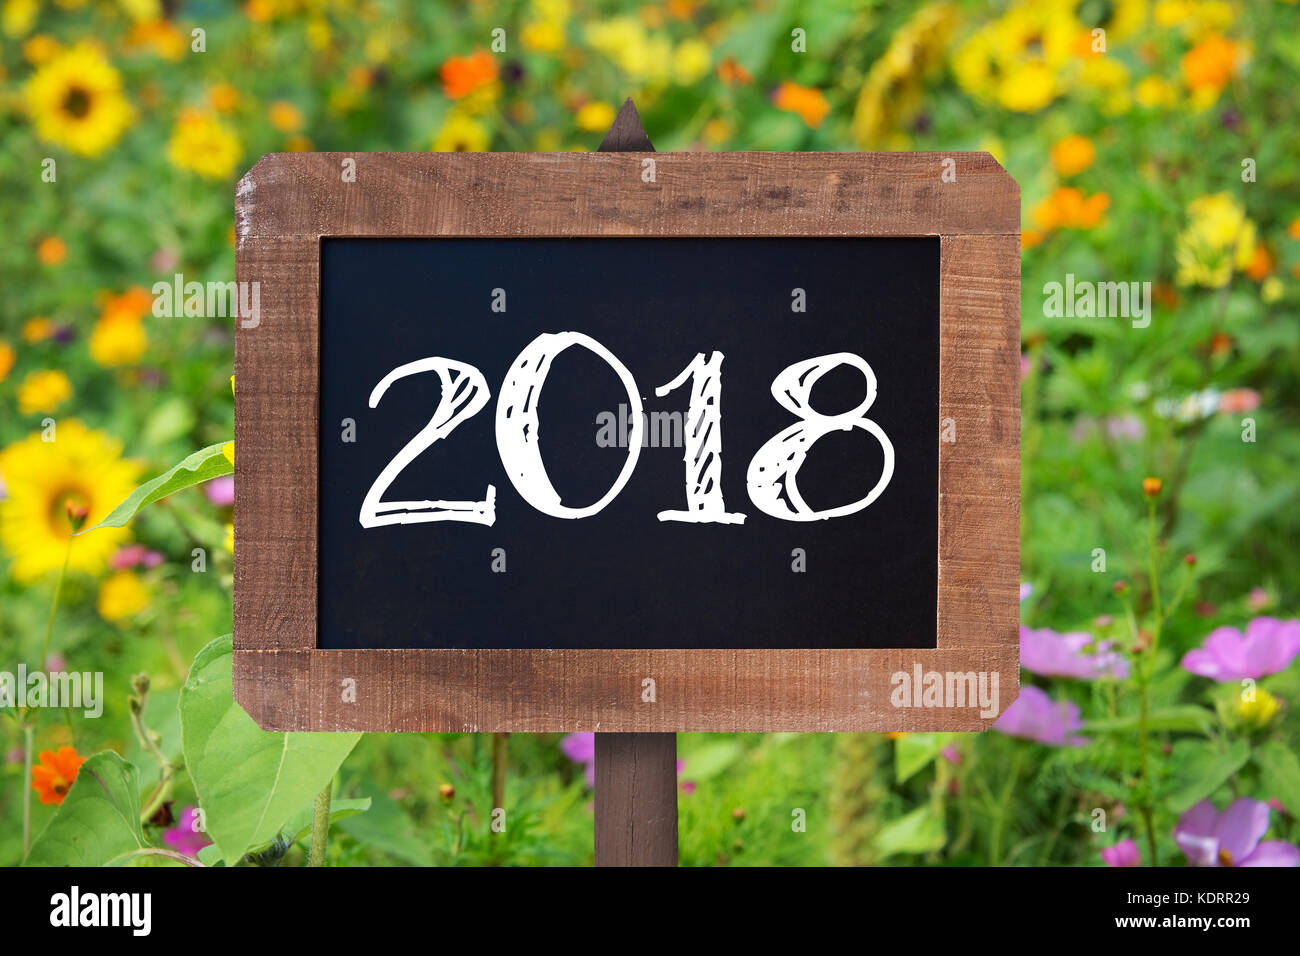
1026 589
221 491
1228 656
1231 838
1123 853
1067 655
1035 716
581 748
186 837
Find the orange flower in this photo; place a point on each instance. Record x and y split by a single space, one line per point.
804 100
1030 238
53 776
1261 264
1151 487
1073 155
51 250
463 75
1293 230
1068 208
1210 64
729 71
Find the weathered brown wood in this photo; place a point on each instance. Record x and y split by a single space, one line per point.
627 135
636 799
288 201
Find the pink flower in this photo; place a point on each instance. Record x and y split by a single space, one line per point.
135 555
1228 656
1026 589
1258 599
1237 400
1124 853
581 748
1035 716
186 837
1050 654
1231 838
951 754
221 491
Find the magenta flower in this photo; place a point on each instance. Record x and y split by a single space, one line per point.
1228 656
1050 654
1026 589
1231 838
1123 853
581 748
221 491
185 837
1035 716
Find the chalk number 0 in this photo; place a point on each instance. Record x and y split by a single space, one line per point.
771 479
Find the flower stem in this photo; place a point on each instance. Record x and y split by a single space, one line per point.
54 606
320 826
29 731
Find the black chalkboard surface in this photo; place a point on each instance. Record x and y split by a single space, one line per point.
835 576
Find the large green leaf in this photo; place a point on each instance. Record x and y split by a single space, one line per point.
1280 774
99 819
1199 768
249 781
197 468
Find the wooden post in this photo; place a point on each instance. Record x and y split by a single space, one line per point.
636 799
636 774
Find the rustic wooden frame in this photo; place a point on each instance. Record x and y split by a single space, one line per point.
288 202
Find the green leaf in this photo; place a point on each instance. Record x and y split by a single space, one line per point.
1199 768
1187 717
98 820
710 760
299 825
1280 774
249 781
389 828
199 467
914 752
917 832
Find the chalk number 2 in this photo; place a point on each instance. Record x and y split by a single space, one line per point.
771 478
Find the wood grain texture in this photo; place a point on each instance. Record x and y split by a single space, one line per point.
288 201
636 800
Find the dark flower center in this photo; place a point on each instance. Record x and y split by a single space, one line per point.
76 102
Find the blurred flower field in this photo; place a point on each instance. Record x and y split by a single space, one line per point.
1154 141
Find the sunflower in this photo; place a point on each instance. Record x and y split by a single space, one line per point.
76 100
201 143
81 466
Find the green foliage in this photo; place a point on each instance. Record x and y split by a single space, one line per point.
98 823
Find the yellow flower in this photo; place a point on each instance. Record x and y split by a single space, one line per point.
624 40
223 97
119 337
1259 712
39 48
595 117
890 96
43 391
7 357
542 36
691 62
200 143
81 466
285 116
1109 77
229 541
1218 239
1196 18
76 100
1153 92
18 16
121 596
1028 87
1073 155
38 329
461 134
51 251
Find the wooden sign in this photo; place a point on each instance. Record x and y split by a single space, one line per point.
628 442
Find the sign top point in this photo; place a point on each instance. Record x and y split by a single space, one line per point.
626 135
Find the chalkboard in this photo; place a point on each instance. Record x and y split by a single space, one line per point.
632 574
627 442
